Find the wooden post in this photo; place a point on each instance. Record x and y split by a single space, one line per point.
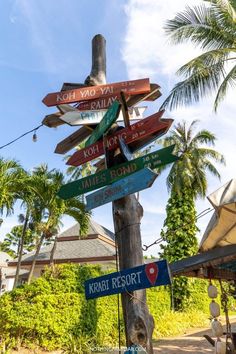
127 214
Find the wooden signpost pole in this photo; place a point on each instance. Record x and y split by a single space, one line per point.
127 214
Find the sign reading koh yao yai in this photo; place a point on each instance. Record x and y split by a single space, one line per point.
141 277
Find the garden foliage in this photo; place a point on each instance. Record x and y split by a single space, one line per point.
52 312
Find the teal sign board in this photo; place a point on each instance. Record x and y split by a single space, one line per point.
133 183
113 174
106 122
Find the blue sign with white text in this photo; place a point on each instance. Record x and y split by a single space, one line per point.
141 277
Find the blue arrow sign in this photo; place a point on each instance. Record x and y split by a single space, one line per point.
133 183
141 277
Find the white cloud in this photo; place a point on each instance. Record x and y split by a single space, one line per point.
146 50
146 53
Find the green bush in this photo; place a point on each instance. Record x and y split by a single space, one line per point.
53 309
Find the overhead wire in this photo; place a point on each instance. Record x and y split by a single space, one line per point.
160 239
22 135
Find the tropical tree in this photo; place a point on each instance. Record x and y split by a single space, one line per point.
12 241
11 178
48 208
212 26
186 181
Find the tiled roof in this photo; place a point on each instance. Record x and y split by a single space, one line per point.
94 229
4 257
71 250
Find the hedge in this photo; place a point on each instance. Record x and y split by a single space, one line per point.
52 310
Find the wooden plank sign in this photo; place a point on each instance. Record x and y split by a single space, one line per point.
141 277
77 117
91 92
106 122
134 183
97 104
136 131
72 140
110 175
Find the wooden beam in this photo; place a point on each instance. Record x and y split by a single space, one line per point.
72 140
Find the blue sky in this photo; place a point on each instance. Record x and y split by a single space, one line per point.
45 43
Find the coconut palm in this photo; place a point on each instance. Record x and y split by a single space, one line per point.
187 180
195 159
48 208
11 179
212 26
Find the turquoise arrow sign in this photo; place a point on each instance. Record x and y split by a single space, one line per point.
136 182
113 174
109 118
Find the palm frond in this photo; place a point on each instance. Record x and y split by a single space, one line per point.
203 137
199 84
229 80
200 25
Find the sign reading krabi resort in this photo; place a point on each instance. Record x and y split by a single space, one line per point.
141 277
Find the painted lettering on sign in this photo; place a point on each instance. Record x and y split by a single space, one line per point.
127 280
134 183
108 176
136 131
91 92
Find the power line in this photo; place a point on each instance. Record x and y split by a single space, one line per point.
159 240
21 136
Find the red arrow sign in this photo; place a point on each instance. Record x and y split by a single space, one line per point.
91 92
130 134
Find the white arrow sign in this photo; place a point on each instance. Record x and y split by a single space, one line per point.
77 117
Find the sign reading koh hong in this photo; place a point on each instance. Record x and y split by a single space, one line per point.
141 277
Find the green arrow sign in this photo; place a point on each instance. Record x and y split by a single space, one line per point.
108 176
109 118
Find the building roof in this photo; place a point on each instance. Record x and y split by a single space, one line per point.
99 246
93 229
4 257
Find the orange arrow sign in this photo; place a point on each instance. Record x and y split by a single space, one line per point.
145 127
92 92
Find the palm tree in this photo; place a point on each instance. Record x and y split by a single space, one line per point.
212 26
11 178
194 159
187 180
49 208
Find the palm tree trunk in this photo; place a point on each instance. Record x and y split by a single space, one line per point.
53 252
21 248
35 258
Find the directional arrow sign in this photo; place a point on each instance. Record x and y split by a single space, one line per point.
106 122
91 92
97 104
103 178
141 277
136 182
77 117
139 130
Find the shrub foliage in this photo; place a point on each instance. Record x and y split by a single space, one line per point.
53 313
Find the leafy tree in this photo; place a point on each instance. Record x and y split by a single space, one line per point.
48 208
12 241
212 26
11 176
186 181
